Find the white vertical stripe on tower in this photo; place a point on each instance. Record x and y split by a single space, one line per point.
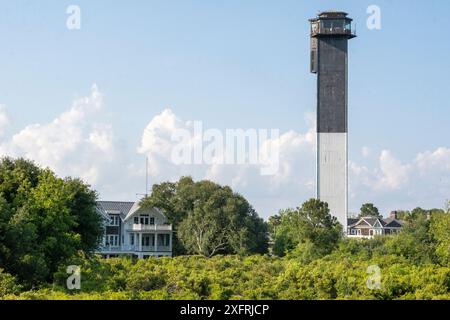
332 173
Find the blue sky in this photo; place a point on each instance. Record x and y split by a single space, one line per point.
235 64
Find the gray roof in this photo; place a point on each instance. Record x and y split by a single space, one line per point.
370 220
393 223
388 222
116 207
352 221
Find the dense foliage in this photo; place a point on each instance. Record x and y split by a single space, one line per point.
44 220
307 232
208 218
413 264
48 224
337 276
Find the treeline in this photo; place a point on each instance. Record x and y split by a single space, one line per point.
345 274
221 246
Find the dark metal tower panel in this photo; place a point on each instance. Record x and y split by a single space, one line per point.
332 85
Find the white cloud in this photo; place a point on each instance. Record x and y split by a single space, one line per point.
393 184
390 174
394 174
4 119
73 143
294 180
366 151
80 142
433 160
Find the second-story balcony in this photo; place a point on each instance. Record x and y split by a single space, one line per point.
134 248
149 227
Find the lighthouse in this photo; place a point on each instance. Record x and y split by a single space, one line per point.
330 32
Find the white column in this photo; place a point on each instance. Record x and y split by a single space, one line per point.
156 241
139 236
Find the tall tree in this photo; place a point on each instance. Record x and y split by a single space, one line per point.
369 210
209 218
310 226
415 241
440 231
44 220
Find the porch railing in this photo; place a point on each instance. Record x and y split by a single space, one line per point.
150 227
134 248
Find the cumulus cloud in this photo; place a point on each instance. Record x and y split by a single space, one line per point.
394 174
394 184
4 120
81 142
366 151
73 143
432 160
293 179
390 183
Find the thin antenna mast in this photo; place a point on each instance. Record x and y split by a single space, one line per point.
146 177
146 180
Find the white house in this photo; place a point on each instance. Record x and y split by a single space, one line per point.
134 231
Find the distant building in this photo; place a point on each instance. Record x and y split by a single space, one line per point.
134 231
368 227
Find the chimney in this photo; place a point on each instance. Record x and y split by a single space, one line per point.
393 215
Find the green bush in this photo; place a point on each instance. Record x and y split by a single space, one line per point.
8 284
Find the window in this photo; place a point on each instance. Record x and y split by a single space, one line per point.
112 240
115 221
152 220
164 240
330 25
167 240
348 25
132 239
313 61
144 219
136 220
353 231
146 241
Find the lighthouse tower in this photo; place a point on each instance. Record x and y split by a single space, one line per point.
330 32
